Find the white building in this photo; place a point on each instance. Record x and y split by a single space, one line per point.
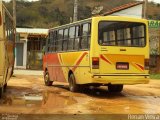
133 9
29 45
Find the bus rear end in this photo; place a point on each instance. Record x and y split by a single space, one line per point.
119 51
2 60
7 44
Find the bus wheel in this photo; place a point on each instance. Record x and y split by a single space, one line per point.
1 91
73 87
115 88
47 79
5 87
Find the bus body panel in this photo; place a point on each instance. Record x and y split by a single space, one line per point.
117 79
109 56
136 63
53 67
59 65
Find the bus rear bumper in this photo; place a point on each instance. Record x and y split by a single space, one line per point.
120 79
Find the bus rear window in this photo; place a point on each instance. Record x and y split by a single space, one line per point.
130 34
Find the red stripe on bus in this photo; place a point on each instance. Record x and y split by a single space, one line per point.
60 58
103 58
140 66
79 61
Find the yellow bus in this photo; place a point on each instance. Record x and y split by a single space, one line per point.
7 44
100 51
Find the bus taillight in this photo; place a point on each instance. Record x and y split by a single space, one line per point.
95 62
146 63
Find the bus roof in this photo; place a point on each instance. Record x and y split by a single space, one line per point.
80 21
118 18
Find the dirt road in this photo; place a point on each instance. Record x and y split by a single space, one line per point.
27 94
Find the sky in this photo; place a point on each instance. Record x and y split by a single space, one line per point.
157 1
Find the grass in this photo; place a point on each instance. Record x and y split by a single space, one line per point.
155 76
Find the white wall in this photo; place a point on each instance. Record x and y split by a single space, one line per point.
24 42
135 11
25 54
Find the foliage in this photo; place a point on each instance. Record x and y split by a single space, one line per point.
155 76
85 12
50 13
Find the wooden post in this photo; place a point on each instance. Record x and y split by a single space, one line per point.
14 13
145 9
75 16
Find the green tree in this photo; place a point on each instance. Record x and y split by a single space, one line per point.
43 11
84 12
57 15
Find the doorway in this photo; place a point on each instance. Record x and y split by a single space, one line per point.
19 54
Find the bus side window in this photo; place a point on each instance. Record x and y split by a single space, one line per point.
60 39
77 38
71 38
50 41
47 44
65 39
54 41
9 28
85 41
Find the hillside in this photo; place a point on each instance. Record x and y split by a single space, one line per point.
50 13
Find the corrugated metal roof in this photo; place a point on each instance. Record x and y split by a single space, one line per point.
36 31
122 7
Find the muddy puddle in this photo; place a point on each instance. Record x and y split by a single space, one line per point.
30 96
126 105
44 100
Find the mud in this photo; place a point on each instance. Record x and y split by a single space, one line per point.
28 95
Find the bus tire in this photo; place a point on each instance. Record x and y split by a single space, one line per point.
73 87
47 80
1 91
5 87
115 88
